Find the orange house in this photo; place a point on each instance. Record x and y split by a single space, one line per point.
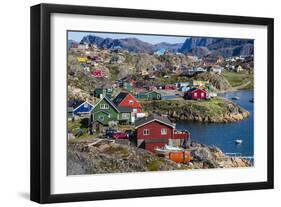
127 100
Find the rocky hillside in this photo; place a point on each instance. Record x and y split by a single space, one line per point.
217 110
218 81
109 157
85 157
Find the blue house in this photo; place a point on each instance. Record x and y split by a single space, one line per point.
160 52
84 108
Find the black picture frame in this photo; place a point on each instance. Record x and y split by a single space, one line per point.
41 99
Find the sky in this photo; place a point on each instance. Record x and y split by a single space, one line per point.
153 39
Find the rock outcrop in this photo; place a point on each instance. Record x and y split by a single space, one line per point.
212 157
86 157
109 157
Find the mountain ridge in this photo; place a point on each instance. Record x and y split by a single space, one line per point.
199 46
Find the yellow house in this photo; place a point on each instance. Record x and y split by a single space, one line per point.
82 59
199 83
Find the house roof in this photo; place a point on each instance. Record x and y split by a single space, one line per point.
85 107
108 101
151 118
123 109
119 98
153 92
194 89
147 92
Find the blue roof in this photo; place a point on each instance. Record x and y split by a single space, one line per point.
83 108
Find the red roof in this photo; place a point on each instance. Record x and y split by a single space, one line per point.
97 73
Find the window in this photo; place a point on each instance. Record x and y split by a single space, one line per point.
101 118
202 95
195 94
125 116
131 102
86 105
104 106
163 131
146 132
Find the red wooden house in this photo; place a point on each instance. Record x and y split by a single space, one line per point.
155 132
170 87
127 100
195 94
96 73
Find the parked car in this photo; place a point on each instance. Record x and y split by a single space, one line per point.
131 134
120 135
109 132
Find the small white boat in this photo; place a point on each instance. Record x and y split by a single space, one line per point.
238 141
166 149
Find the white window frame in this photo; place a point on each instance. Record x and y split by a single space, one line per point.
125 115
195 94
131 102
202 95
104 106
146 132
164 131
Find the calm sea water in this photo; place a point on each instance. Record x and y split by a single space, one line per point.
224 135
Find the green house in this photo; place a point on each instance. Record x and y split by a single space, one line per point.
150 95
153 95
125 115
141 95
105 111
104 92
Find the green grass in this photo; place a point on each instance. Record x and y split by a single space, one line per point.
76 124
119 151
153 165
215 106
239 78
